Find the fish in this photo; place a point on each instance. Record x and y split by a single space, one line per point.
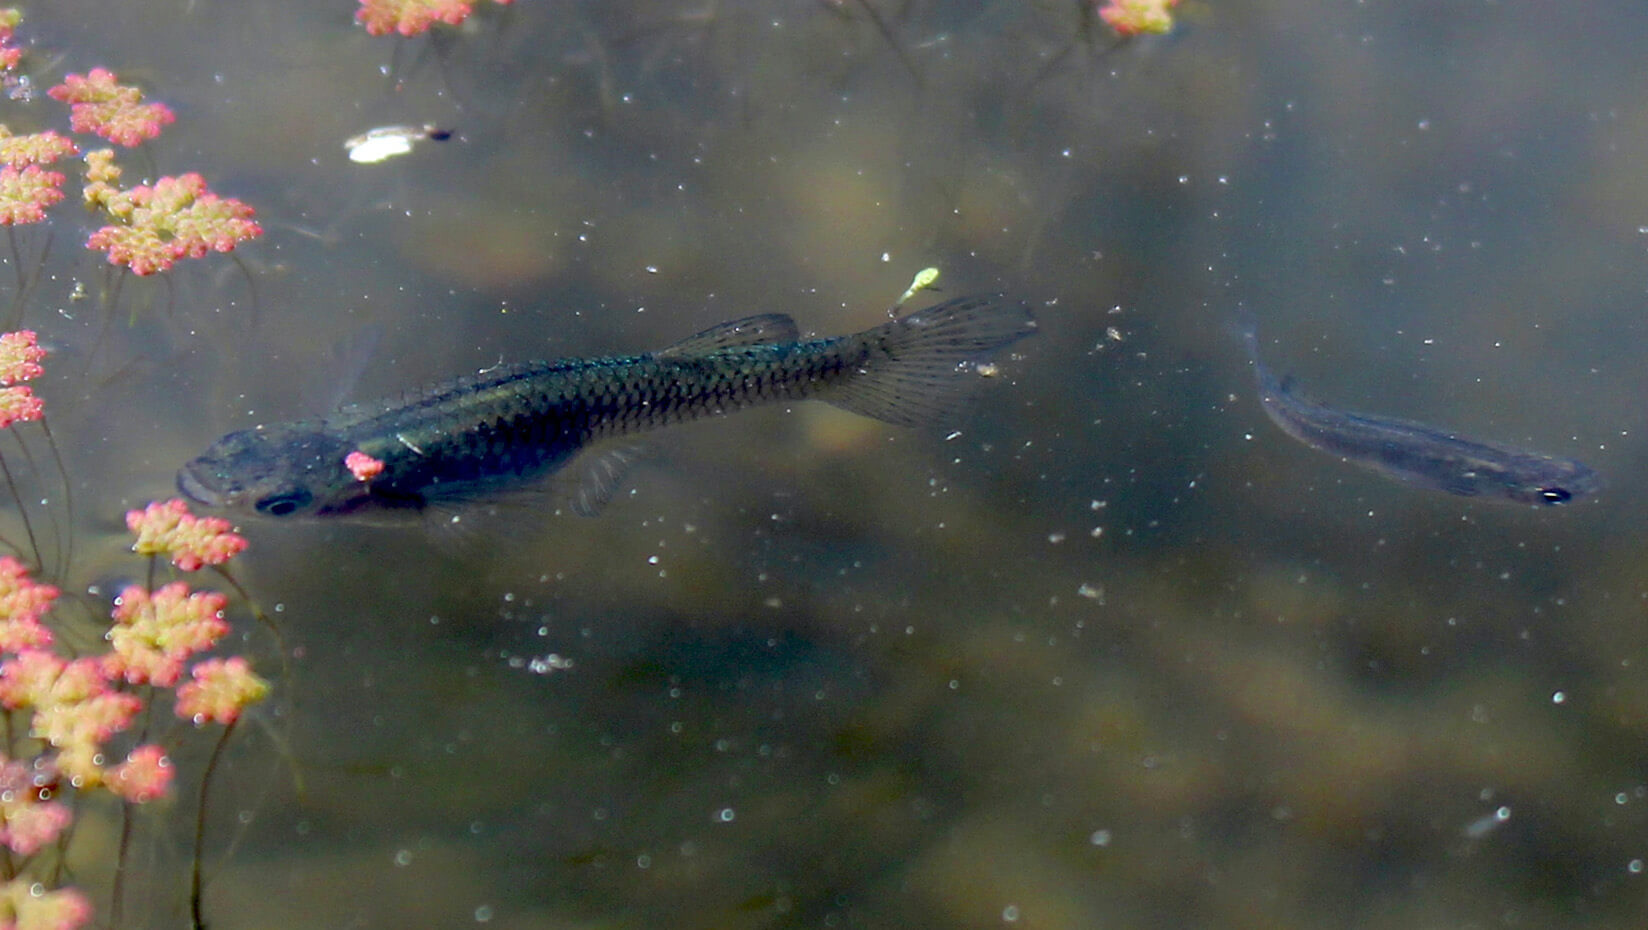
513 426
1417 453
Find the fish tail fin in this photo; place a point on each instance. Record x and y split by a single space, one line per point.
921 364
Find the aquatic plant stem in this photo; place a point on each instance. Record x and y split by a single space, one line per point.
22 511
15 315
26 283
196 920
117 895
65 548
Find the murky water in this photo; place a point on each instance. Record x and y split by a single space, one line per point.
1118 653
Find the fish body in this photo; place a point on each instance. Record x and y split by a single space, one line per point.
514 425
1418 454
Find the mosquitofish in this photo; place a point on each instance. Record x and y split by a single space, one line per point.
514 425
1418 454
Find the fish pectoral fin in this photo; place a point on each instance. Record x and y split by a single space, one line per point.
763 329
589 482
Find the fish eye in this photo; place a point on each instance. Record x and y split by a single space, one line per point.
281 505
1555 495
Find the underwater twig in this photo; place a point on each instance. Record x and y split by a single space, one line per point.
891 40
1085 35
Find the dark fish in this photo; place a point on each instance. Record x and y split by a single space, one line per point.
1419 454
511 426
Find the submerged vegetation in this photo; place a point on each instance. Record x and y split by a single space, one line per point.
86 705
72 708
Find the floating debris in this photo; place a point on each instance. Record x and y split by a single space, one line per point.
386 142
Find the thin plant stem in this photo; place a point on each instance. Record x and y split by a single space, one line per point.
251 286
197 921
60 861
22 511
57 529
259 615
65 548
108 297
281 739
117 896
16 311
171 297
27 284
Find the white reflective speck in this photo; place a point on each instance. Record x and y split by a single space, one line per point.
1482 826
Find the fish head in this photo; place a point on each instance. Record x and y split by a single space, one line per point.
288 471
1552 482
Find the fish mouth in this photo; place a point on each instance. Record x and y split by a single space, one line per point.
190 486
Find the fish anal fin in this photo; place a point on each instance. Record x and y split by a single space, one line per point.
761 329
591 480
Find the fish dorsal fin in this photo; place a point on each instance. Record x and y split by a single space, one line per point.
763 329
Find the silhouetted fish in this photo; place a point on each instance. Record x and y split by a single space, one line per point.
1419 454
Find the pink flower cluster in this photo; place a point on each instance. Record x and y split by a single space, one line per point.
77 705
27 188
154 225
219 690
36 148
23 601
101 105
10 52
24 905
364 467
29 818
412 17
20 357
154 634
1128 18
74 708
25 193
168 528
172 219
